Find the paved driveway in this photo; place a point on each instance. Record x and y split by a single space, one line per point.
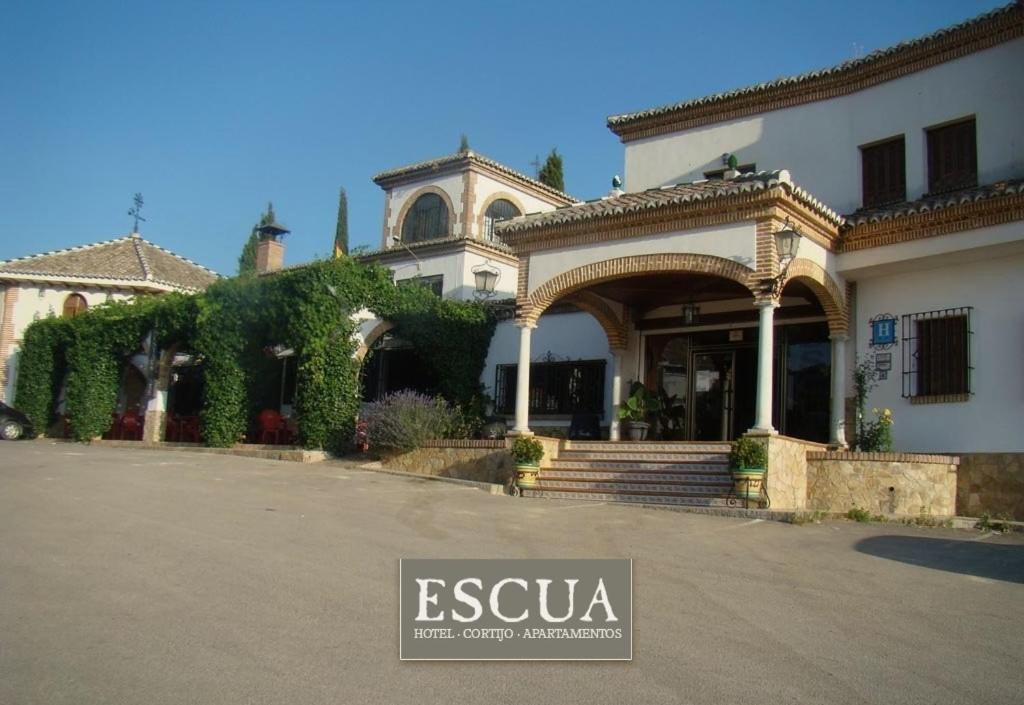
130 576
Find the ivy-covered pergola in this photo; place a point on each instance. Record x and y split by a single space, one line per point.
308 309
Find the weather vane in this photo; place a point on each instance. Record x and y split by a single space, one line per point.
135 212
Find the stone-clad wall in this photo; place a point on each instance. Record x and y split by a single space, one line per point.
891 484
991 483
481 461
786 483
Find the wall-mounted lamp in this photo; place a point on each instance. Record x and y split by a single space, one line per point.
691 313
485 278
787 242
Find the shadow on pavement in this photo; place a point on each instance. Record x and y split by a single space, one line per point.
986 560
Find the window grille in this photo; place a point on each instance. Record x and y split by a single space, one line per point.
426 220
884 173
555 387
501 209
937 355
434 282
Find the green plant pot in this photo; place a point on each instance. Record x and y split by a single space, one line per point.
526 476
748 483
637 430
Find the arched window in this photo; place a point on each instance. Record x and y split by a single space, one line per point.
74 304
426 220
498 211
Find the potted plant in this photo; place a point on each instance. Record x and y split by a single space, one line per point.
636 409
748 461
527 452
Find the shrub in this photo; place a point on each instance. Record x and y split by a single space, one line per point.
527 450
876 436
405 420
748 453
858 514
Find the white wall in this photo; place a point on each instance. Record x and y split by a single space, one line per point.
486 187
993 417
37 301
818 142
735 242
457 270
574 336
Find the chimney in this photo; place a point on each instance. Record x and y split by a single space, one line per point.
270 249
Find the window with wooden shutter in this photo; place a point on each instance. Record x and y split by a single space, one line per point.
937 355
884 172
952 157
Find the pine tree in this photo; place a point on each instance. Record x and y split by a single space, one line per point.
341 229
551 173
463 143
247 260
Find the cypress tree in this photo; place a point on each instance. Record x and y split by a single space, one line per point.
463 143
247 260
551 173
341 229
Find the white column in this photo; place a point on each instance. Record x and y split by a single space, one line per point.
765 353
522 426
838 424
613 425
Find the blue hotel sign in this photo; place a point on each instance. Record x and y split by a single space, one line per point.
883 331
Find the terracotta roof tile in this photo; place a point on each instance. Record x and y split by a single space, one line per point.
431 165
934 203
705 190
126 260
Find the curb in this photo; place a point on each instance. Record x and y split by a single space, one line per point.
488 487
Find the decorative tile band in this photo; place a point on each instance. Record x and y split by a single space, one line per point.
885 457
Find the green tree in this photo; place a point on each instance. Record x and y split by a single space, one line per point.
247 260
463 143
551 173
341 228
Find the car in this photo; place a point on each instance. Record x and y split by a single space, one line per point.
13 423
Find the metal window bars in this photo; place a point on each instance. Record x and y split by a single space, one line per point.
937 353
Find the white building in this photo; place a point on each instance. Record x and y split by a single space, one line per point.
69 281
903 174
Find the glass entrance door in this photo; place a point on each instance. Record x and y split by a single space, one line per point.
714 377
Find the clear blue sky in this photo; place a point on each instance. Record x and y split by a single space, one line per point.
211 109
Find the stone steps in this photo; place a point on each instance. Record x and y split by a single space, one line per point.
663 473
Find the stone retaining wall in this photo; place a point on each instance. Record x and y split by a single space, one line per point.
786 482
890 484
480 461
991 483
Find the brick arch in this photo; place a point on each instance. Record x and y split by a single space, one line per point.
607 318
825 288
375 333
396 232
580 278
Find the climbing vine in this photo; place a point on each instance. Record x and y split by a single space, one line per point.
230 328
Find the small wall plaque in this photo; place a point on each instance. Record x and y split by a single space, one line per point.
883 362
735 336
883 331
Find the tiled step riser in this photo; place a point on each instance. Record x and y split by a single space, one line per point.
674 478
629 487
611 466
612 497
647 447
696 457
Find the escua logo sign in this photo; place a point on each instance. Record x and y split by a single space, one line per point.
531 609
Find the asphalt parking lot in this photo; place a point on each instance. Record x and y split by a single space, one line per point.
135 576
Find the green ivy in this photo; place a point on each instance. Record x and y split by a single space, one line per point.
308 309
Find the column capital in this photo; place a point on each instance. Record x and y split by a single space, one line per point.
839 337
766 303
525 324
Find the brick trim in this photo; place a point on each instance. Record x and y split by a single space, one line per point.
497 196
7 333
945 221
884 457
464 443
597 307
574 280
941 47
829 293
453 215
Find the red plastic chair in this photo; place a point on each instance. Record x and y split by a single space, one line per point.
271 427
131 426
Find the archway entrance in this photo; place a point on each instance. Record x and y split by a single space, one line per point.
392 364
